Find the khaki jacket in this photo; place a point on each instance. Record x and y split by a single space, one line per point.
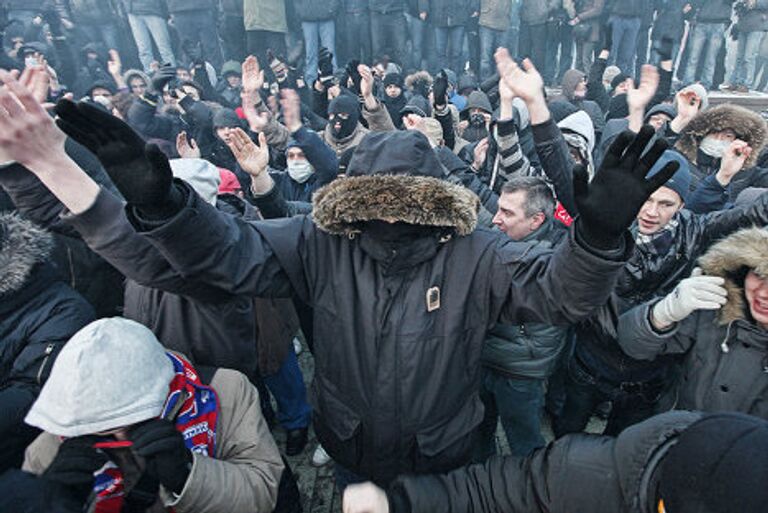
243 477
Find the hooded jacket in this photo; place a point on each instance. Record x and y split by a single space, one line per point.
576 473
38 314
725 365
747 125
397 370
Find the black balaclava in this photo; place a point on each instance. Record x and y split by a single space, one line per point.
477 129
344 104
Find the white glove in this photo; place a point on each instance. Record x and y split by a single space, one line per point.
695 293
365 498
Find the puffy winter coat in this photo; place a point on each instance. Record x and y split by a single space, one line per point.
38 314
398 324
527 350
577 473
726 355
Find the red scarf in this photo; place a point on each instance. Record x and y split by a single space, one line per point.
195 419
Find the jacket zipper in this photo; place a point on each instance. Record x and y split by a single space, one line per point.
48 350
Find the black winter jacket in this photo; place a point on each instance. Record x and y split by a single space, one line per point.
386 6
451 13
397 379
577 473
713 11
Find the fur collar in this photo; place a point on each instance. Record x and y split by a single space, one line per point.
416 200
22 246
749 127
747 248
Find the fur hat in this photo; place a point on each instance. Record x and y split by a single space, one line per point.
746 249
420 83
112 373
23 245
394 175
747 125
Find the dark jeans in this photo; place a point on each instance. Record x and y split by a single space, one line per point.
624 47
420 34
233 38
356 27
642 56
632 403
559 37
287 387
449 42
388 34
200 27
518 403
533 43
490 39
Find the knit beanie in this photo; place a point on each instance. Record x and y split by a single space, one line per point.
393 79
618 79
681 180
111 374
203 176
718 465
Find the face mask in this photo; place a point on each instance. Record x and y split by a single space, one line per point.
347 127
300 170
714 147
477 120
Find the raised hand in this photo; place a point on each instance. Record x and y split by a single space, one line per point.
27 133
440 89
253 159
639 97
364 498
733 161
114 65
140 172
325 65
291 107
610 203
186 147
164 75
253 76
525 82
694 293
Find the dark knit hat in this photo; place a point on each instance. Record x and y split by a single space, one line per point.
561 109
227 118
345 104
417 105
719 465
393 79
618 79
681 180
618 107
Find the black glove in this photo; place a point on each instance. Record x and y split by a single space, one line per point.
143 494
440 89
162 76
609 205
325 65
607 39
140 171
73 467
664 48
354 75
166 455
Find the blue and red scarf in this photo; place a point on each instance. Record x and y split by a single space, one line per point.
195 419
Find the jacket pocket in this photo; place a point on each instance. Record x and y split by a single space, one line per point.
338 427
448 445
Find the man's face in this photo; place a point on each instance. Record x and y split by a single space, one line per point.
393 90
338 119
727 135
234 81
657 120
623 87
511 218
224 133
295 155
105 95
183 74
581 90
658 210
756 289
138 86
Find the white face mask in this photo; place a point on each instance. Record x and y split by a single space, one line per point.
714 147
300 170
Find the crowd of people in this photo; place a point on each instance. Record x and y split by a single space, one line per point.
395 187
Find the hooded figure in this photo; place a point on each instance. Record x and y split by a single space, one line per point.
393 83
705 158
38 314
479 113
114 377
396 226
344 130
579 134
725 349
574 87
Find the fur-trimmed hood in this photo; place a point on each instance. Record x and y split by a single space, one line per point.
23 245
747 125
747 248
419 82
395 176
421 200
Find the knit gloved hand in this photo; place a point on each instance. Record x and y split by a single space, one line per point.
140 171
167 457
695 293
73 467
609 204
440 89
162 76
354 74
143 494
325 65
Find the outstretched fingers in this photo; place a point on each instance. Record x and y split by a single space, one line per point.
617 148
651 156
636 148
661 177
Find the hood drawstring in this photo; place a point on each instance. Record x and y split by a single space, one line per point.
724 346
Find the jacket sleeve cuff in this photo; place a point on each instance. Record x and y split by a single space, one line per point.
546 131
506 127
